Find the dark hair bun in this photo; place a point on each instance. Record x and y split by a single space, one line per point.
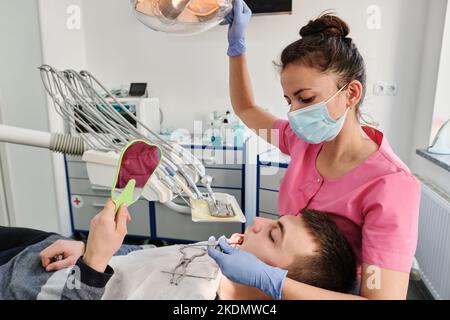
327 25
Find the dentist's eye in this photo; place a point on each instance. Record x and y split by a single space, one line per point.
309 100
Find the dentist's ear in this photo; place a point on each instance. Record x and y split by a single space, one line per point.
354 94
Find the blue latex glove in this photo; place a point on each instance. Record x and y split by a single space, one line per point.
238 19
244 268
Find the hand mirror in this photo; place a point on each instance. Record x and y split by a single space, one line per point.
137 163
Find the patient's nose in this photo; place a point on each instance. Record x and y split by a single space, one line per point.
260 223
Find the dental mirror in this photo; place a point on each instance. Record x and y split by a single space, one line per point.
137 163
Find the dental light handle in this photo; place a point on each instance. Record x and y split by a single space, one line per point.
56 142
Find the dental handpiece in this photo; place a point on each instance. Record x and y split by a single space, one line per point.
212 243
207 180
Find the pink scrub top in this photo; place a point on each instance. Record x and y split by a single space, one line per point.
375 205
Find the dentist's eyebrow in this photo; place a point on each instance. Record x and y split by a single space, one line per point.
296 93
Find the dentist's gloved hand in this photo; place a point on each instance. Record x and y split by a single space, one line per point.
244 268
238 19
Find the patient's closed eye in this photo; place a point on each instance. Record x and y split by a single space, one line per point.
271 237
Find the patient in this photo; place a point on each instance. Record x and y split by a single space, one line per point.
308 246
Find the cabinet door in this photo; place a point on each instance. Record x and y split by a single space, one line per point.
89 206
268 201
84 187
271 177
77 169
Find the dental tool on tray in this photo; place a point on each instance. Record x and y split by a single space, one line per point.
95 116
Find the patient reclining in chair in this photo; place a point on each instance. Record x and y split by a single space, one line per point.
309 246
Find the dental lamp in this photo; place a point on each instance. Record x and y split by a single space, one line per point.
181 17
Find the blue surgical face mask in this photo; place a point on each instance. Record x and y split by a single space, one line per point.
314 125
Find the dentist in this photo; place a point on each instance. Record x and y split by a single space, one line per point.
339 164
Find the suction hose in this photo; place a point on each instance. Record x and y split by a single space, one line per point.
61 143
70 145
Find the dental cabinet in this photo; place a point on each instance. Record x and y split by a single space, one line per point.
155 221
271 168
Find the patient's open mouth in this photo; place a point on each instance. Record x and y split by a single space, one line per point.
236 239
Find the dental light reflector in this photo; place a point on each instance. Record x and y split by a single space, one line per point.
182 17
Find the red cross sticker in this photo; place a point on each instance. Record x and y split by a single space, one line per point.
77 201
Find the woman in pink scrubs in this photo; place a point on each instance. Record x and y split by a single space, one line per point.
338 164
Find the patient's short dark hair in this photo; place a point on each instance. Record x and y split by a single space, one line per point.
333 266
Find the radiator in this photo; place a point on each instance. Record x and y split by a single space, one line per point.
433 249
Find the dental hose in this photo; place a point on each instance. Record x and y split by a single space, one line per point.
61 143
67 144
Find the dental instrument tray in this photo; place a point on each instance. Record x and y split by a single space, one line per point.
222 208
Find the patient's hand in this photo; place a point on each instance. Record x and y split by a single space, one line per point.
69 251
106 234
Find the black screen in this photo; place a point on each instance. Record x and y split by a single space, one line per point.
270 6
137 89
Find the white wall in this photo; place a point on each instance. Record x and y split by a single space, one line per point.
63 48
189 75
30 187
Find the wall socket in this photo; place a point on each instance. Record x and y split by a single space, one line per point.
385 89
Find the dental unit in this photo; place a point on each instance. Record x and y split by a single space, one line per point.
99 132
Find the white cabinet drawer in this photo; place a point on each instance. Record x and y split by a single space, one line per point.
84 187
271 177
77 170
268 216
173 225
225 178
140 217
219 157
268 201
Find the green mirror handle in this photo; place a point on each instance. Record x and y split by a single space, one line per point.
126 197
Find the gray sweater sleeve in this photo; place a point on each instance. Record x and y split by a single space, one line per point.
24 278
85 283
